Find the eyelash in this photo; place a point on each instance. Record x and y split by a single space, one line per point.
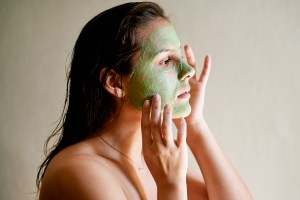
165 62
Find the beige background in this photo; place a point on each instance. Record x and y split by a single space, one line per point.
253 96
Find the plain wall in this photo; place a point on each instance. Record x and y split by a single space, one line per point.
252 101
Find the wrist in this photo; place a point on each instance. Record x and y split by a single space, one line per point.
195 120
196 130
171 184
174 190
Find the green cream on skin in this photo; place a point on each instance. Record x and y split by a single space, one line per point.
160 70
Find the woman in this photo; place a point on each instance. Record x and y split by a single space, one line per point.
126 84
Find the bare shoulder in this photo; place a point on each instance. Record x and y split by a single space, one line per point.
80 176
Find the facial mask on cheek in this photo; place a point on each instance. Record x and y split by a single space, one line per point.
150 77
146 81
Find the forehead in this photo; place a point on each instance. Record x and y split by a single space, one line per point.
159 35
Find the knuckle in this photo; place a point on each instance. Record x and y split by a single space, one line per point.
160 152
155 107
165 129
155 124
144 126
167 111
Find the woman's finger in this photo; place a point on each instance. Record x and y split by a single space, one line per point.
181 134
156 118
205 70
190 57
166 126
145 124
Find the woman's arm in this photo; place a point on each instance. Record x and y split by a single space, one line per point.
195 186
221 179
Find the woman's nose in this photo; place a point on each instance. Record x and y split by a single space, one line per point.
185 71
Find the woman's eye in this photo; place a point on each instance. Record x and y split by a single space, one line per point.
165 62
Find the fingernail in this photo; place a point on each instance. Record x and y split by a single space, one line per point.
146 103
156 97
167 106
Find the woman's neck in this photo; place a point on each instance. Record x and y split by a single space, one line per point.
123 136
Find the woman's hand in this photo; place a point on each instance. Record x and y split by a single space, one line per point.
166 158
195 121
198 86
221 179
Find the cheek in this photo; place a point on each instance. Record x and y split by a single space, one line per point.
171 75
145 83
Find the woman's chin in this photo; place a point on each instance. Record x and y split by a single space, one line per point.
181 111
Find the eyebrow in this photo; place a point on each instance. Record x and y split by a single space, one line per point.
165 50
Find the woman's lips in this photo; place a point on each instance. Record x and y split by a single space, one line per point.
184 95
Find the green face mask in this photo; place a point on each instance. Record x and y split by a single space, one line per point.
160 70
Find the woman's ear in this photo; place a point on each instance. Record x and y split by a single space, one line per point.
112 82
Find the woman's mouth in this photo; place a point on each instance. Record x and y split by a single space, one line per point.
184 95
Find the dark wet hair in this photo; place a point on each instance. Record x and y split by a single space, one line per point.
108 41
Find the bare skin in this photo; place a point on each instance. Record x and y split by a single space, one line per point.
92 169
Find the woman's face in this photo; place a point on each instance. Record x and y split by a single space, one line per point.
160 70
